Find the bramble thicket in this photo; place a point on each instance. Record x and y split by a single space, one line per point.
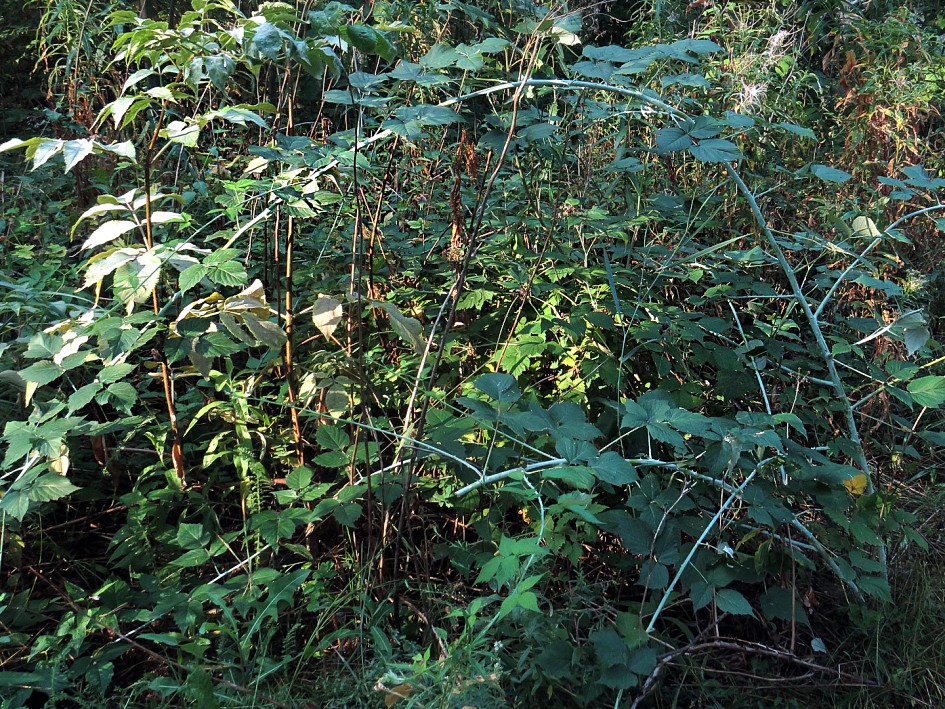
497 353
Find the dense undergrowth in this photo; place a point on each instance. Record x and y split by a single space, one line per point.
474 354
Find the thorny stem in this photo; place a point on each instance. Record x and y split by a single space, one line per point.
814 324
695 547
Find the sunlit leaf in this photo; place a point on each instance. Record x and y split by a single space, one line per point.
326 314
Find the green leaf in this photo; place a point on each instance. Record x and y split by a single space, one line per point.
83 396
272 526
830 174
43 151
185 134
115 372
299 478
192 558
228 273
216 344
16 504
408 329
44 344
191 276
672 139
613 469
781 604
42 373
166 217
696 46
362 37
715 150
123 396
731 601
555 660
74 151
105 263
610 53
526 600
192 536
136 280
576 476
643 661
428 115
797 130
109 231
50 487
238 115
268 40
499 386
265 331
611 649
692 80
926 391
439 57
332 437
347 514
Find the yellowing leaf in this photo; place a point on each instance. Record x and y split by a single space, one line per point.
326 314
856 485
401 691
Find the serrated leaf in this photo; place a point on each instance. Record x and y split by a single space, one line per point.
731 601
669 140
228 273
134 281
42 373
332 437
83 396
926 391
192 536
347 514
265 331
50 487
299 478
191 276
122 396
716 150
499 387
613 469
74 151
44 344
